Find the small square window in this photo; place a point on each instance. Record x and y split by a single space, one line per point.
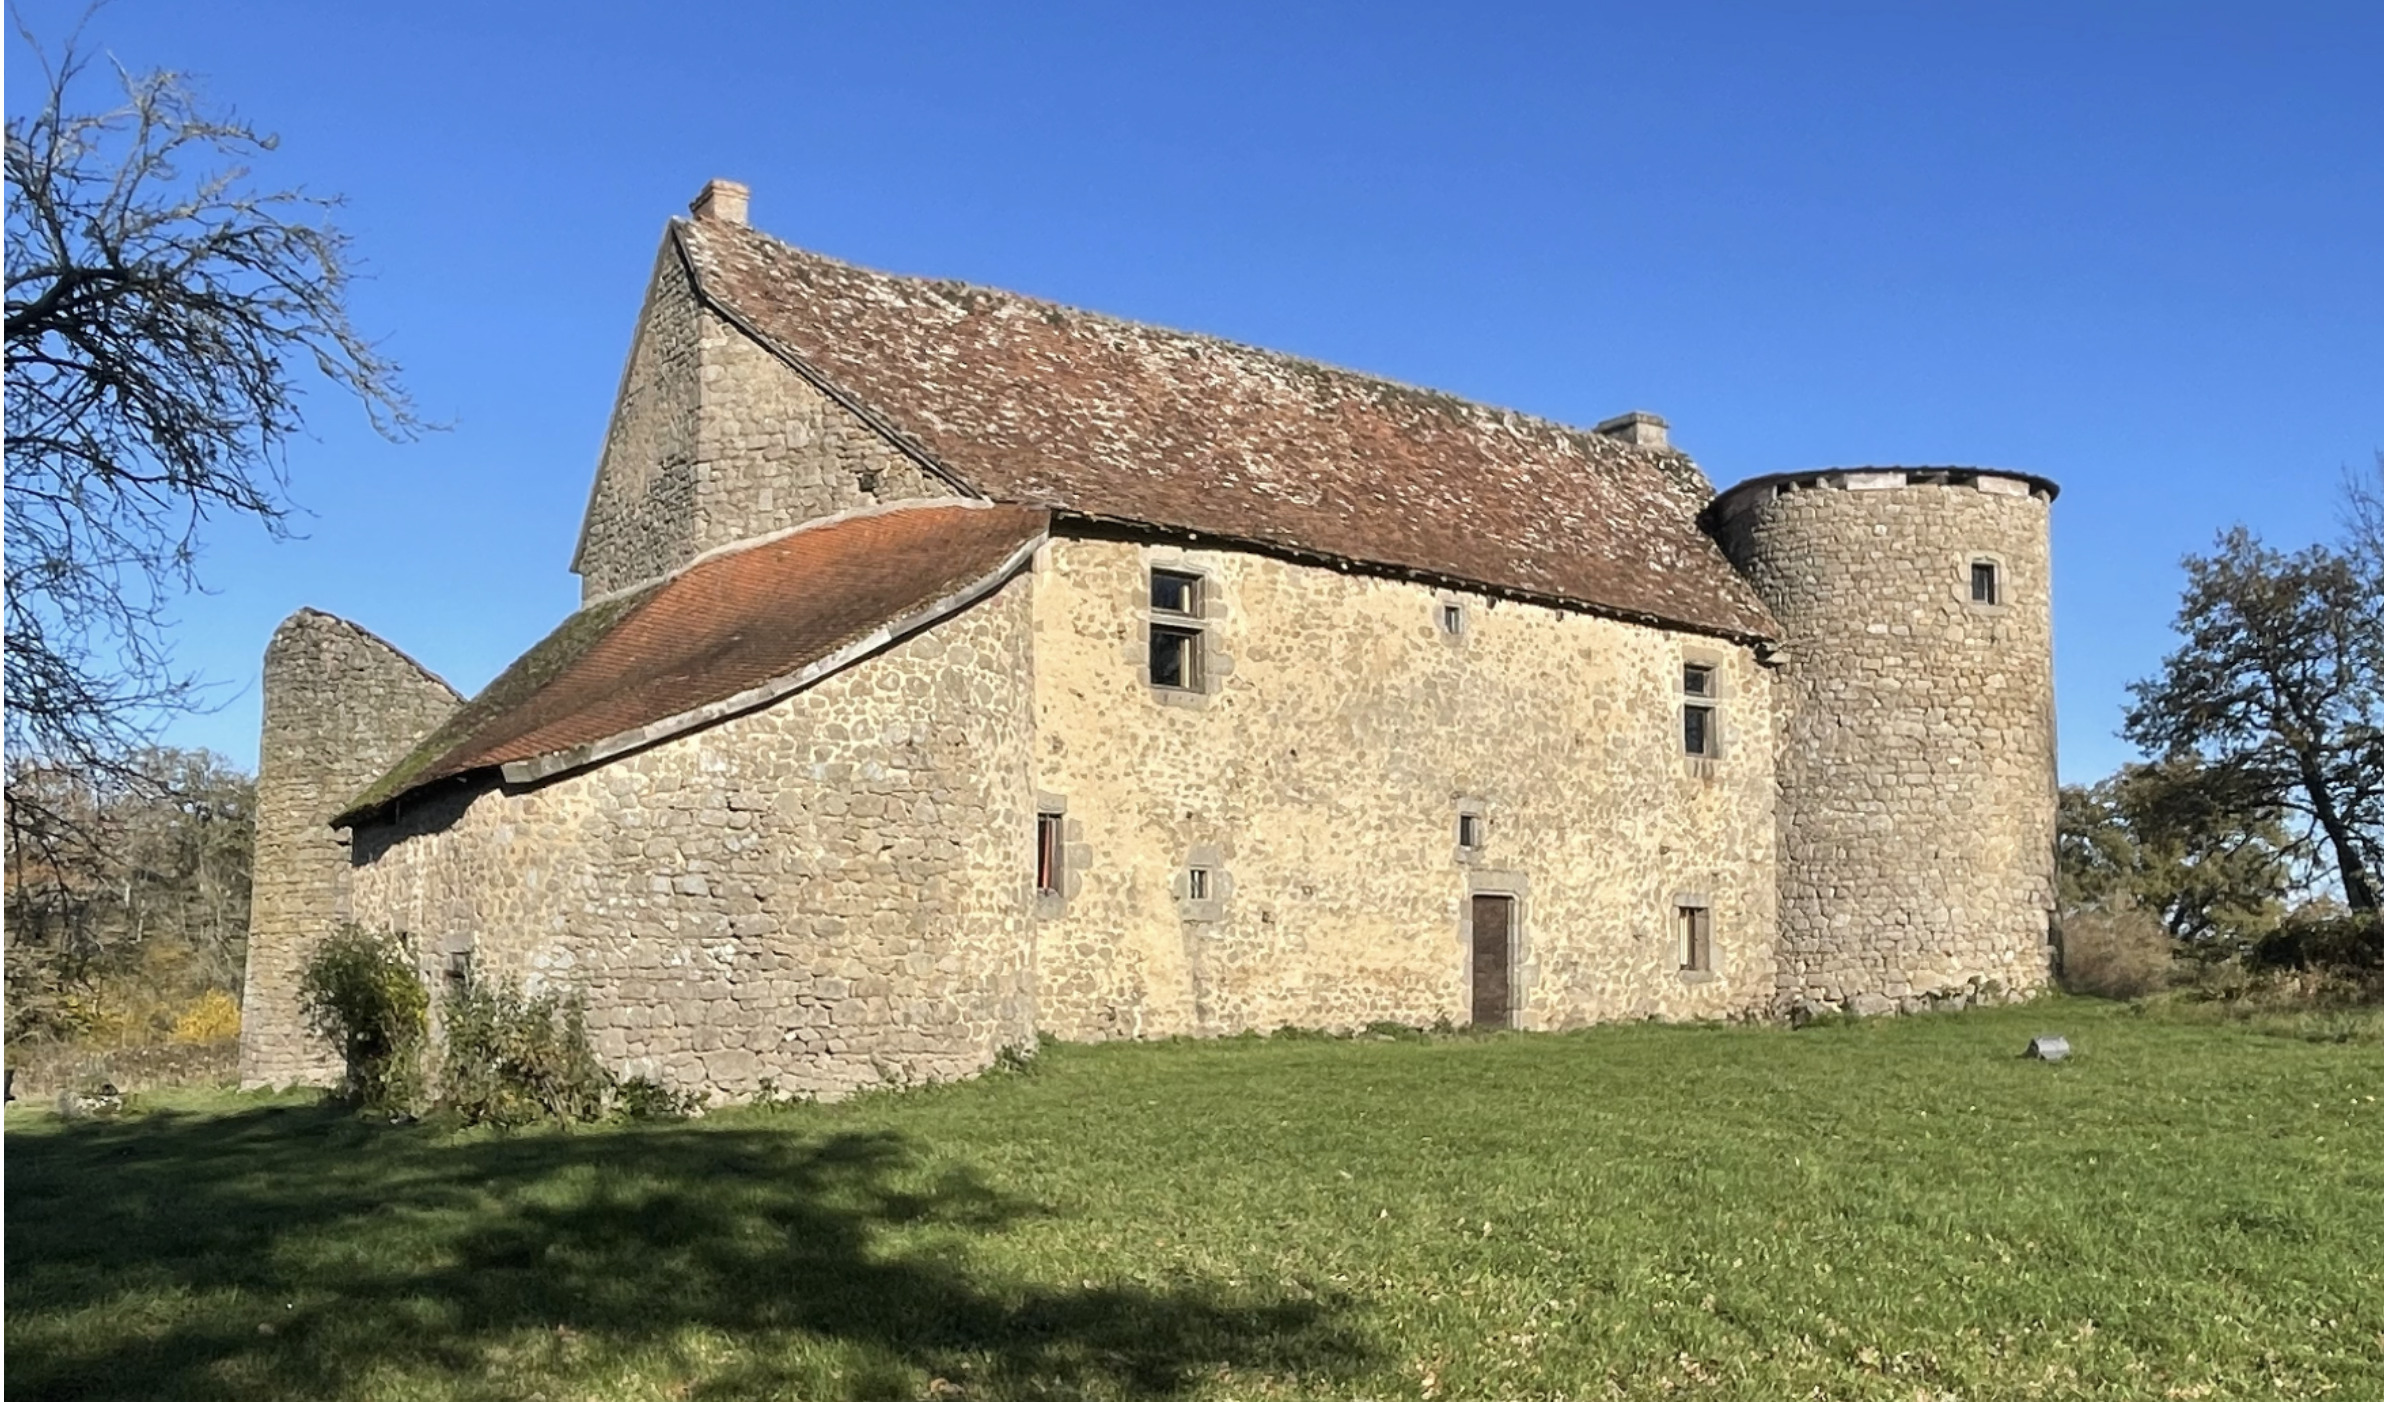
1199 883
1701 731
1983 582
1049 854
1451 620
1177 658
1693 939
1699 679
460 966
1472 831
1173 592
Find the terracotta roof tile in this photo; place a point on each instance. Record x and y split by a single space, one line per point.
626 667
1030 402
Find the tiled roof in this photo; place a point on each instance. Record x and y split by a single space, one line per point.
732 631
1025 401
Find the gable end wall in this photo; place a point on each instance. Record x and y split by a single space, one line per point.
715 440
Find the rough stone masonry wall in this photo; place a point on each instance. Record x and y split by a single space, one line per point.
829 893
1919 783
642 506
1323 778
715 440
341 706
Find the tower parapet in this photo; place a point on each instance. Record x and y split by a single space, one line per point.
1917 748
341 706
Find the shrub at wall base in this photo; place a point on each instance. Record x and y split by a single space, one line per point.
361 992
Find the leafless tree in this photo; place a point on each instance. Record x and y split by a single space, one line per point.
163 313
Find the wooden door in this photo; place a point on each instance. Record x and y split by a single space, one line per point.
1489 961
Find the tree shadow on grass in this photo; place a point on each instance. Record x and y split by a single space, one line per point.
292 1252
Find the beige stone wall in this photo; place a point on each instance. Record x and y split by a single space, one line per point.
1920 794
832 892
340 707
715 440
1325 773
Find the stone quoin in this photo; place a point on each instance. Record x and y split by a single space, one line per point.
954 667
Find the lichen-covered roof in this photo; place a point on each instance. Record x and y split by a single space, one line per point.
733 630
1025 401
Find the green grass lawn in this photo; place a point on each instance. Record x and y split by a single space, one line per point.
1899 1209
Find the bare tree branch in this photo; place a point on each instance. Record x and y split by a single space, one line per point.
163 314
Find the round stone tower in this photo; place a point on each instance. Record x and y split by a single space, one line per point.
1916 739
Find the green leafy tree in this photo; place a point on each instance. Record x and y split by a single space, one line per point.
2173 841
2276 697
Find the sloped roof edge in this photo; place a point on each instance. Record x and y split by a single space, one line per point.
1018 399
754 698
733 630
1064 516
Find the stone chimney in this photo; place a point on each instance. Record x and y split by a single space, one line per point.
1638 428
725 200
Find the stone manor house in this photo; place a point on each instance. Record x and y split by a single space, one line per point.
953 667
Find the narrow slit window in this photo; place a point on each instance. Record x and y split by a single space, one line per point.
1173 592
1701 731
1472 833
1983 582
1701 711
1177 658
1693 939
1049 854
1199 883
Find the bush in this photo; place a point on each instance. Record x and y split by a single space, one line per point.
361 991
641 1098
2114 952
2332 942
515 1058
212 1017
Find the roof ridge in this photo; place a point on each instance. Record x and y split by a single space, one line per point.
1589 436
1022 399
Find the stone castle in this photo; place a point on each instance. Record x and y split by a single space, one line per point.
954 667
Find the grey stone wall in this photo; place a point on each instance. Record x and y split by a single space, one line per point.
641 515
775 452
829 893
715 440
1917 749
341 706
1320 774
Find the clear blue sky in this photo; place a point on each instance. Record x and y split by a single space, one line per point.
2134 247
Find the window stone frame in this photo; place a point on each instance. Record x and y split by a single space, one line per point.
1683 900
1444 600
1074 855
1703 766
1211 909
1213 663
1479 809
2003 582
